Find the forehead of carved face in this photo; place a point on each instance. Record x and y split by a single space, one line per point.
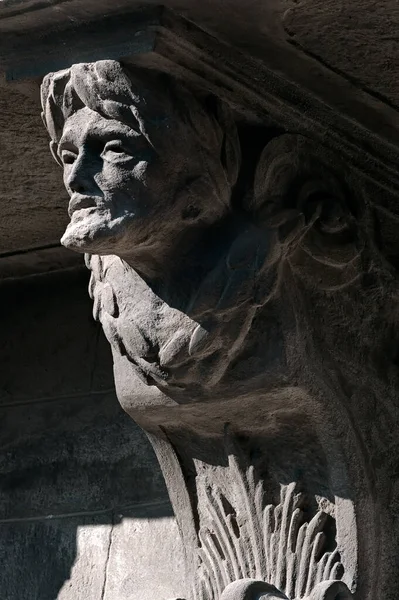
125 191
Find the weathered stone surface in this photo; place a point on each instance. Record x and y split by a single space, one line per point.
32 200
88 557
141 547
33 310
73 455
45 560
74 469
299 39
198 297
356 38
241 220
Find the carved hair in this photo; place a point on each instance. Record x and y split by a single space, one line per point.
149 102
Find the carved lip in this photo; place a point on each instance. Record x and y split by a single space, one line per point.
79 202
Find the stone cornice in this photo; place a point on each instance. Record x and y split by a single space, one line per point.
327 107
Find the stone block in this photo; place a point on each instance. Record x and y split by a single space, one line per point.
50 345
54 559
74 455
145 560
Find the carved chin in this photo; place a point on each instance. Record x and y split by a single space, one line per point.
94 232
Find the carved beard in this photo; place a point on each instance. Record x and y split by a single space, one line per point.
166 345
138 324
95 230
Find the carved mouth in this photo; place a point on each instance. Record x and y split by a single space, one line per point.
79 202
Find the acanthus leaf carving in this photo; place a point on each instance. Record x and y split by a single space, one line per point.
282 545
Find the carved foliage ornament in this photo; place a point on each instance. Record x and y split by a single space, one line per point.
247 547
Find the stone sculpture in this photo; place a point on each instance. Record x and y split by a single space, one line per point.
237 284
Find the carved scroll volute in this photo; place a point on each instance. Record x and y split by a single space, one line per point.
298 192
248 589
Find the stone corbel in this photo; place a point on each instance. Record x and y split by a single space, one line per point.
228 219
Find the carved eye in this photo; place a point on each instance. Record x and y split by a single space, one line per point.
68 157
115 151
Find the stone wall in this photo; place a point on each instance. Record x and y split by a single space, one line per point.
83 508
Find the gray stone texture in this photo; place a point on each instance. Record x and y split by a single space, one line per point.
279 336
356 38
311 42
27 177
197 290
81 493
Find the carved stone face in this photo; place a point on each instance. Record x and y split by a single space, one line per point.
126 195
145 161
105 173
303 243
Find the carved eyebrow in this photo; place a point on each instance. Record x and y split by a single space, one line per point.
66 141
127 133
66 144
97 134
119 129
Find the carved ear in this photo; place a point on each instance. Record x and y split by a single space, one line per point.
295 174
294 177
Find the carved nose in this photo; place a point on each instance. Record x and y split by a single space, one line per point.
80 180
77 187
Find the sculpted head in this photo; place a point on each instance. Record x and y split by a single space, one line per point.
148 164
143 159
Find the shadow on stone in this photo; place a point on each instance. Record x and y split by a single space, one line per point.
83 505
